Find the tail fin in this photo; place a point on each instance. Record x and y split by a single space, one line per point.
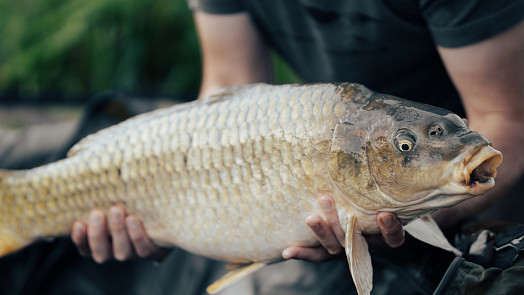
8 239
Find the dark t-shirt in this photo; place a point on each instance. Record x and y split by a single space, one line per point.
387 45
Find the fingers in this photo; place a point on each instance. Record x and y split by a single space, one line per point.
313 254
391 229
98 237
122 248
331 236
117 236
143 245
328 206
328 232
324 234
79 236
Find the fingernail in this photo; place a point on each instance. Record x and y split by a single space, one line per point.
388 220
286 254
116 215
78 229
132 222
313 221
96 218
326 204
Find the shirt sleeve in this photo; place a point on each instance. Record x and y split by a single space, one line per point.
217 6
461 23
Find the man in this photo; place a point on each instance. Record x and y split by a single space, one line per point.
439 52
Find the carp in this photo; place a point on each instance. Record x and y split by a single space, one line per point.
234 176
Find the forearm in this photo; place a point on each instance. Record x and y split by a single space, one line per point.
490 79
233 52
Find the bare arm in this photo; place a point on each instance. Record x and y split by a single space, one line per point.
490 79
233 53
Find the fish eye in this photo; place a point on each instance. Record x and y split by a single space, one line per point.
405 145
435 131
404 141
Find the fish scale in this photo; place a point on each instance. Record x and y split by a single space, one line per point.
234 176
231 153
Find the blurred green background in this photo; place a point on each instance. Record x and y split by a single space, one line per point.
68 50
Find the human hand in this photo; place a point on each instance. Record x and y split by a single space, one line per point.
118 235
331 236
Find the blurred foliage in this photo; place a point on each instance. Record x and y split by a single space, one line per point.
78 47
75 48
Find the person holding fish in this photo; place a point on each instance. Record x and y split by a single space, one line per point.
465 56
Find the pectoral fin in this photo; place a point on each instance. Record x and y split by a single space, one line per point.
427 230
231 277
358 257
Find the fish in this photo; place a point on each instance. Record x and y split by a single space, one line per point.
234 176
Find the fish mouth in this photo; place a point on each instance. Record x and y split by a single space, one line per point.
480 169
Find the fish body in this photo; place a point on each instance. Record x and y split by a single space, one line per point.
234 176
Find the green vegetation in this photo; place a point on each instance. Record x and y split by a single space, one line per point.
76 48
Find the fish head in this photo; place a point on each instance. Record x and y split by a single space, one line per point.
410 153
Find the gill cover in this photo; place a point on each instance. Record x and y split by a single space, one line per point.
348 165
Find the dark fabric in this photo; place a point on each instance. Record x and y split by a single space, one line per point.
387 45
491 243
217 6
56 268
459 23
493 260
471 278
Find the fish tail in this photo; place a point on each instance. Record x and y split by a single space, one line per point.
9 242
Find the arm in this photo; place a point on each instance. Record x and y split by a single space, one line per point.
233 53
490 79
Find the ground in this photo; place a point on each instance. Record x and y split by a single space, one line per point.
15 116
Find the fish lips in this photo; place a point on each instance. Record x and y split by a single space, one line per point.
478 169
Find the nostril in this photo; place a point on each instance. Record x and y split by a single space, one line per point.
435 131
